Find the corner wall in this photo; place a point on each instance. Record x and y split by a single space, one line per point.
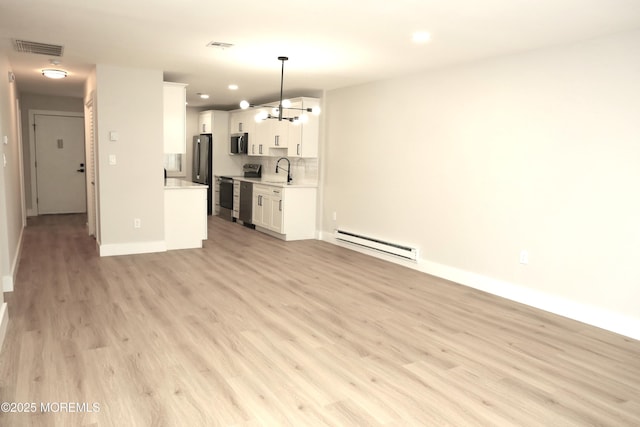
475 163
129 102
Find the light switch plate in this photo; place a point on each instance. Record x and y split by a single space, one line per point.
113 136
112 159
5 139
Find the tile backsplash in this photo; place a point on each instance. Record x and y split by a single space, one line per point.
303 170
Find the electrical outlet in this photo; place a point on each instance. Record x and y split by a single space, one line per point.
524 257
137 223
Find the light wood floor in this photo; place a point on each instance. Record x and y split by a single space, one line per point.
252 331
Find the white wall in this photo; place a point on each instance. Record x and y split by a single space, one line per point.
473 163
191 131
129 102
11 213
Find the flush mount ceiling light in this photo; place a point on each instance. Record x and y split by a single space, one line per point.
233 87
219 45
203 95
421 37
53 73
282 105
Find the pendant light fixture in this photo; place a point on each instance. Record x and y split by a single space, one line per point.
279 109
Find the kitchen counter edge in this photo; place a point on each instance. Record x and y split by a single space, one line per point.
277 184
178 184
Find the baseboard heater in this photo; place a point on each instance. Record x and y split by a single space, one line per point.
402 251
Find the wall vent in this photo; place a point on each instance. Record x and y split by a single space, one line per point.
390 248
37 48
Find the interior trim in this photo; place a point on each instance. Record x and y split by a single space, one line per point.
4 322
9 280
132 248
595 316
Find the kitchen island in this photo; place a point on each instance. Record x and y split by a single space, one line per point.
185 214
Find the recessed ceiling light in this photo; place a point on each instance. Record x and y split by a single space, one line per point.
54 74
233 87
203 95
421 37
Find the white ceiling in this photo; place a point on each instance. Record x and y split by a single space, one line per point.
330 43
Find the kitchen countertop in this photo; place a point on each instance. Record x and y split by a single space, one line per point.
177 184
281 184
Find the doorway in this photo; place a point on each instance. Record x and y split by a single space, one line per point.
58 163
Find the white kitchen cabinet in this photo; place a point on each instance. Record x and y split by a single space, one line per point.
271 133
261 209
236 199
278 133
185 214
277 218
259 141
205 121
242 121
288 213
283 138
268 206
304 137
174 97
256 148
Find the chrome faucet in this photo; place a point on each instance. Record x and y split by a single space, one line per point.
289 178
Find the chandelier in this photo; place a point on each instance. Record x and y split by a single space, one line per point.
277 112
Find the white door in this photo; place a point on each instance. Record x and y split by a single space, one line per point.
60 164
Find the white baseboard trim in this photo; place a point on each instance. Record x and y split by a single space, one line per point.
9 280
7 283
132 248
4 322
602 318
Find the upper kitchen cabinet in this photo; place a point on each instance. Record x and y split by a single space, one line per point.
174 98
205 122
271 137
272 133
304 136
242 121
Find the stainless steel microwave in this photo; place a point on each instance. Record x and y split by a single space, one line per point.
239 143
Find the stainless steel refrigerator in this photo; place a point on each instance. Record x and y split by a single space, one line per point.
202 165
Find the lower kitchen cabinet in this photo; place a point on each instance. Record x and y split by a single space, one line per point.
288 213
261 211
236 199
185 214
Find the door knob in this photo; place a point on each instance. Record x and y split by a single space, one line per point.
80 170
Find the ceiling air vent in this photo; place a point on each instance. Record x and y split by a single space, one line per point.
38 48
219 45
